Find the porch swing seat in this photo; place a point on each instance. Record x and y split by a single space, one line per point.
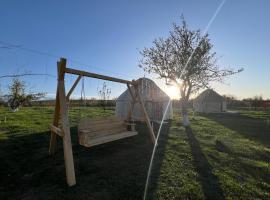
95 131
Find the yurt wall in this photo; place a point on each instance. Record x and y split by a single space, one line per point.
209 101
154 98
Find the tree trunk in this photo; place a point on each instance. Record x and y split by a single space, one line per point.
184 112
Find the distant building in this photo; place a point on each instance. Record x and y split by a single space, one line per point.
209 101
155 101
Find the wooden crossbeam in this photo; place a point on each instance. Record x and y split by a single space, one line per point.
98 76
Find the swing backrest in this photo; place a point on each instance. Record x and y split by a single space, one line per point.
94 131
98 125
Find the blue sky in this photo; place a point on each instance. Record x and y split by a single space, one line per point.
106 36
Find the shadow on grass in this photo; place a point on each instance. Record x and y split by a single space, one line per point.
115 170
210 183
158 159
254 129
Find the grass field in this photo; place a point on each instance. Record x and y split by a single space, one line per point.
221 156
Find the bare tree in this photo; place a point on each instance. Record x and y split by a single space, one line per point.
17 95
104 94
256 101
230 98
185 59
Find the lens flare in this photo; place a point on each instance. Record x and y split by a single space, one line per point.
173 92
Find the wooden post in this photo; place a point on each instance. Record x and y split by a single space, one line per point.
146 118
61 109
68 154
134 97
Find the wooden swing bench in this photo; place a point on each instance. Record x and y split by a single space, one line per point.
91 131
95 131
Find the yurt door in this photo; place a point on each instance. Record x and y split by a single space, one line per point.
157 111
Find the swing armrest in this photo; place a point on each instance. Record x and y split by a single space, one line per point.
132 125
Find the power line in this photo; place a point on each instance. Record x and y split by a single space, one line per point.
25 74
9 45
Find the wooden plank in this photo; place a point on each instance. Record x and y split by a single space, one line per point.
102 127
112 130
56 130
100 119
73 87
68 155
96 134
146 118
88 122
106 139
98 76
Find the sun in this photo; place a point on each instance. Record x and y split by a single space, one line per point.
172 91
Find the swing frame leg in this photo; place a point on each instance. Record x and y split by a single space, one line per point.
134 97
146 118
61 109
53 141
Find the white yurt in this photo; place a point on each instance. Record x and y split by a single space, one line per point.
209 101
155 101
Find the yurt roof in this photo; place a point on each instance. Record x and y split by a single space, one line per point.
147 84
209 95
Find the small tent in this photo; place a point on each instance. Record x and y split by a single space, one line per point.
155 101
209 101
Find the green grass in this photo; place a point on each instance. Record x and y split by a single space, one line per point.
221 156
256 114
27 172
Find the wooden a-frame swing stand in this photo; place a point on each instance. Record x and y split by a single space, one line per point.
61 113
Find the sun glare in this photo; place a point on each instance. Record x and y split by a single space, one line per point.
173 92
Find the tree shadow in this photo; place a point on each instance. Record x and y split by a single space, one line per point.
250 128
210 183
254 130
158 159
